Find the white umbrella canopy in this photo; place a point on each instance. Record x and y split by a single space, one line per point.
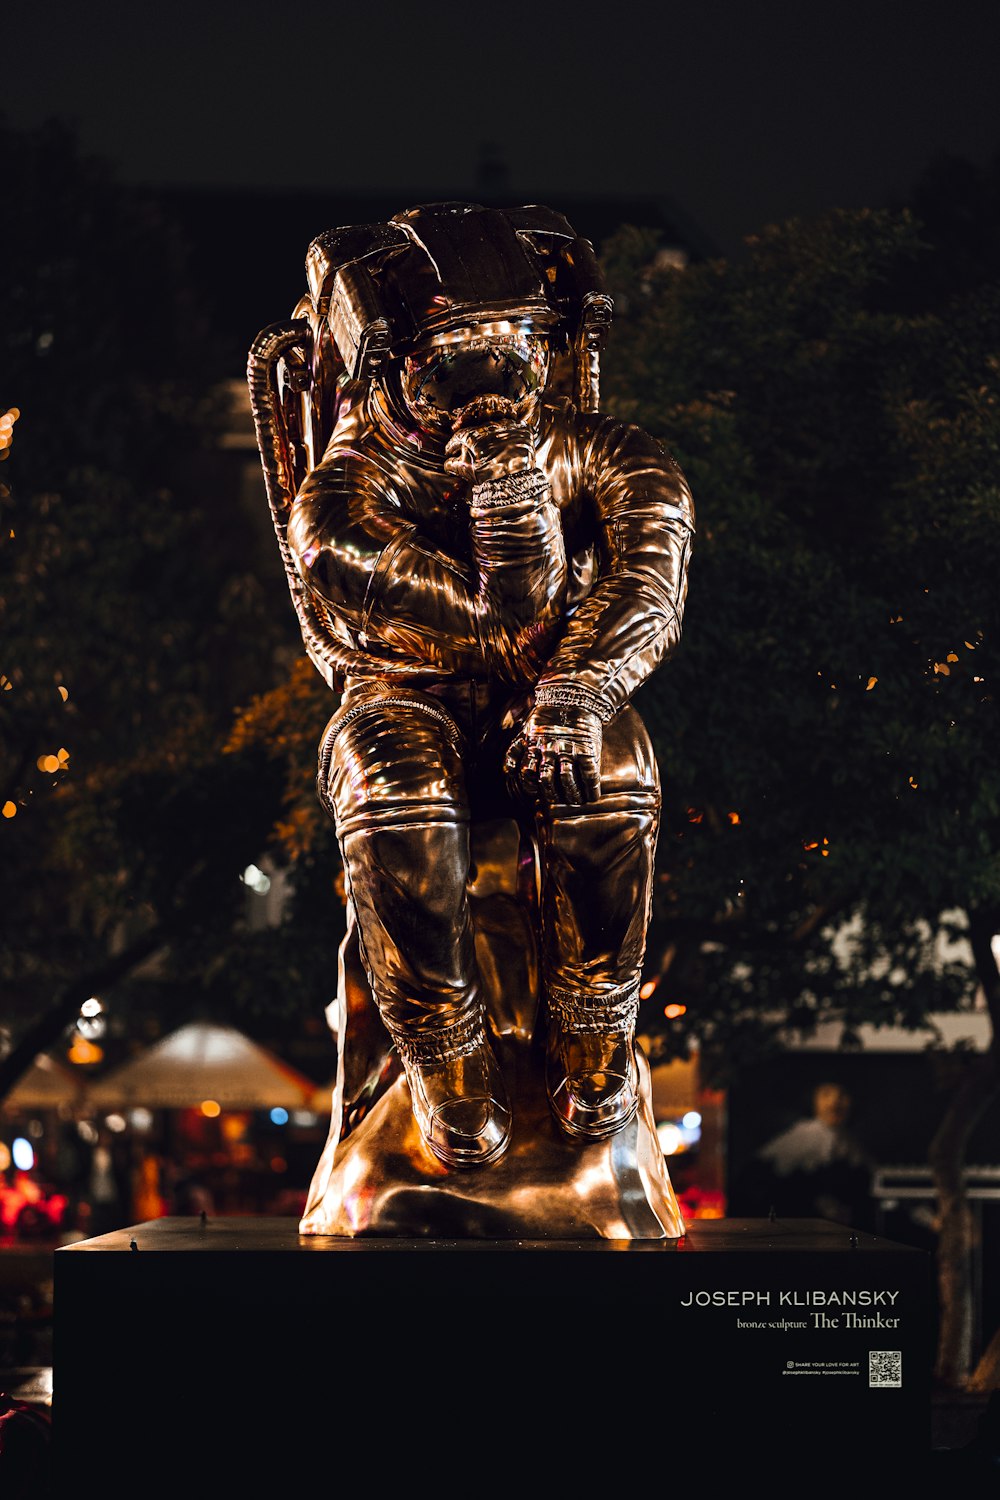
45 1085
201 1061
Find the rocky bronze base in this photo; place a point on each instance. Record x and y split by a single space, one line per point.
384 1180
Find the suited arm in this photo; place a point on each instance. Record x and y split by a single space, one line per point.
387 589
627 624
631 620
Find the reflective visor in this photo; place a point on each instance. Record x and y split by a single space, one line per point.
437 381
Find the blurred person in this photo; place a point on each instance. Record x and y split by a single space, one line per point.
107 1189
816 1168
191 1193
148 1201
71 1168
25 1449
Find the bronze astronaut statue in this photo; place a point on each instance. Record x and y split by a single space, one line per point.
486 570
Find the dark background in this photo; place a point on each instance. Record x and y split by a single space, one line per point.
738 115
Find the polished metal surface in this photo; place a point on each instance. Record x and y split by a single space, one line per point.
486 573
384 1180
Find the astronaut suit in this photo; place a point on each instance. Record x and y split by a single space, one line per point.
501 568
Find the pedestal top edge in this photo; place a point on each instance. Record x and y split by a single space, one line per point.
273 1234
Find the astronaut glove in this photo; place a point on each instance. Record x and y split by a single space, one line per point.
490 449
556 756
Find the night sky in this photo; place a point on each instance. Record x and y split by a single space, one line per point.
738 115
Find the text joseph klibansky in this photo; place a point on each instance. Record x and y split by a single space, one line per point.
849 1297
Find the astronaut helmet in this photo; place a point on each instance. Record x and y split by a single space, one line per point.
448 302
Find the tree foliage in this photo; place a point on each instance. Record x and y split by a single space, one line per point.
130 617
827 730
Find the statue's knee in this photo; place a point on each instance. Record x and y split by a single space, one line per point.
392 762
628 764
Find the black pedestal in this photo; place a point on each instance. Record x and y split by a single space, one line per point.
208 1355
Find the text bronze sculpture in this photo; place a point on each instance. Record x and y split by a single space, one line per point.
485 570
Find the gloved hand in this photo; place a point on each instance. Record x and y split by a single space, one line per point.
556 756
490 440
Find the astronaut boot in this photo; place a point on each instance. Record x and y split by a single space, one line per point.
457 1091
591 1073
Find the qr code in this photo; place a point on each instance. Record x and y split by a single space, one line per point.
885 1367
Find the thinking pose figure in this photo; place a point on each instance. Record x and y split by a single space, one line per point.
485 568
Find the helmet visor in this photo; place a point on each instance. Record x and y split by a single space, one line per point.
440 379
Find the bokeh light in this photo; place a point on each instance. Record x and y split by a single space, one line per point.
256 880
23 1154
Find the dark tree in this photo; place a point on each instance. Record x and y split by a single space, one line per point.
828 729
132 621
